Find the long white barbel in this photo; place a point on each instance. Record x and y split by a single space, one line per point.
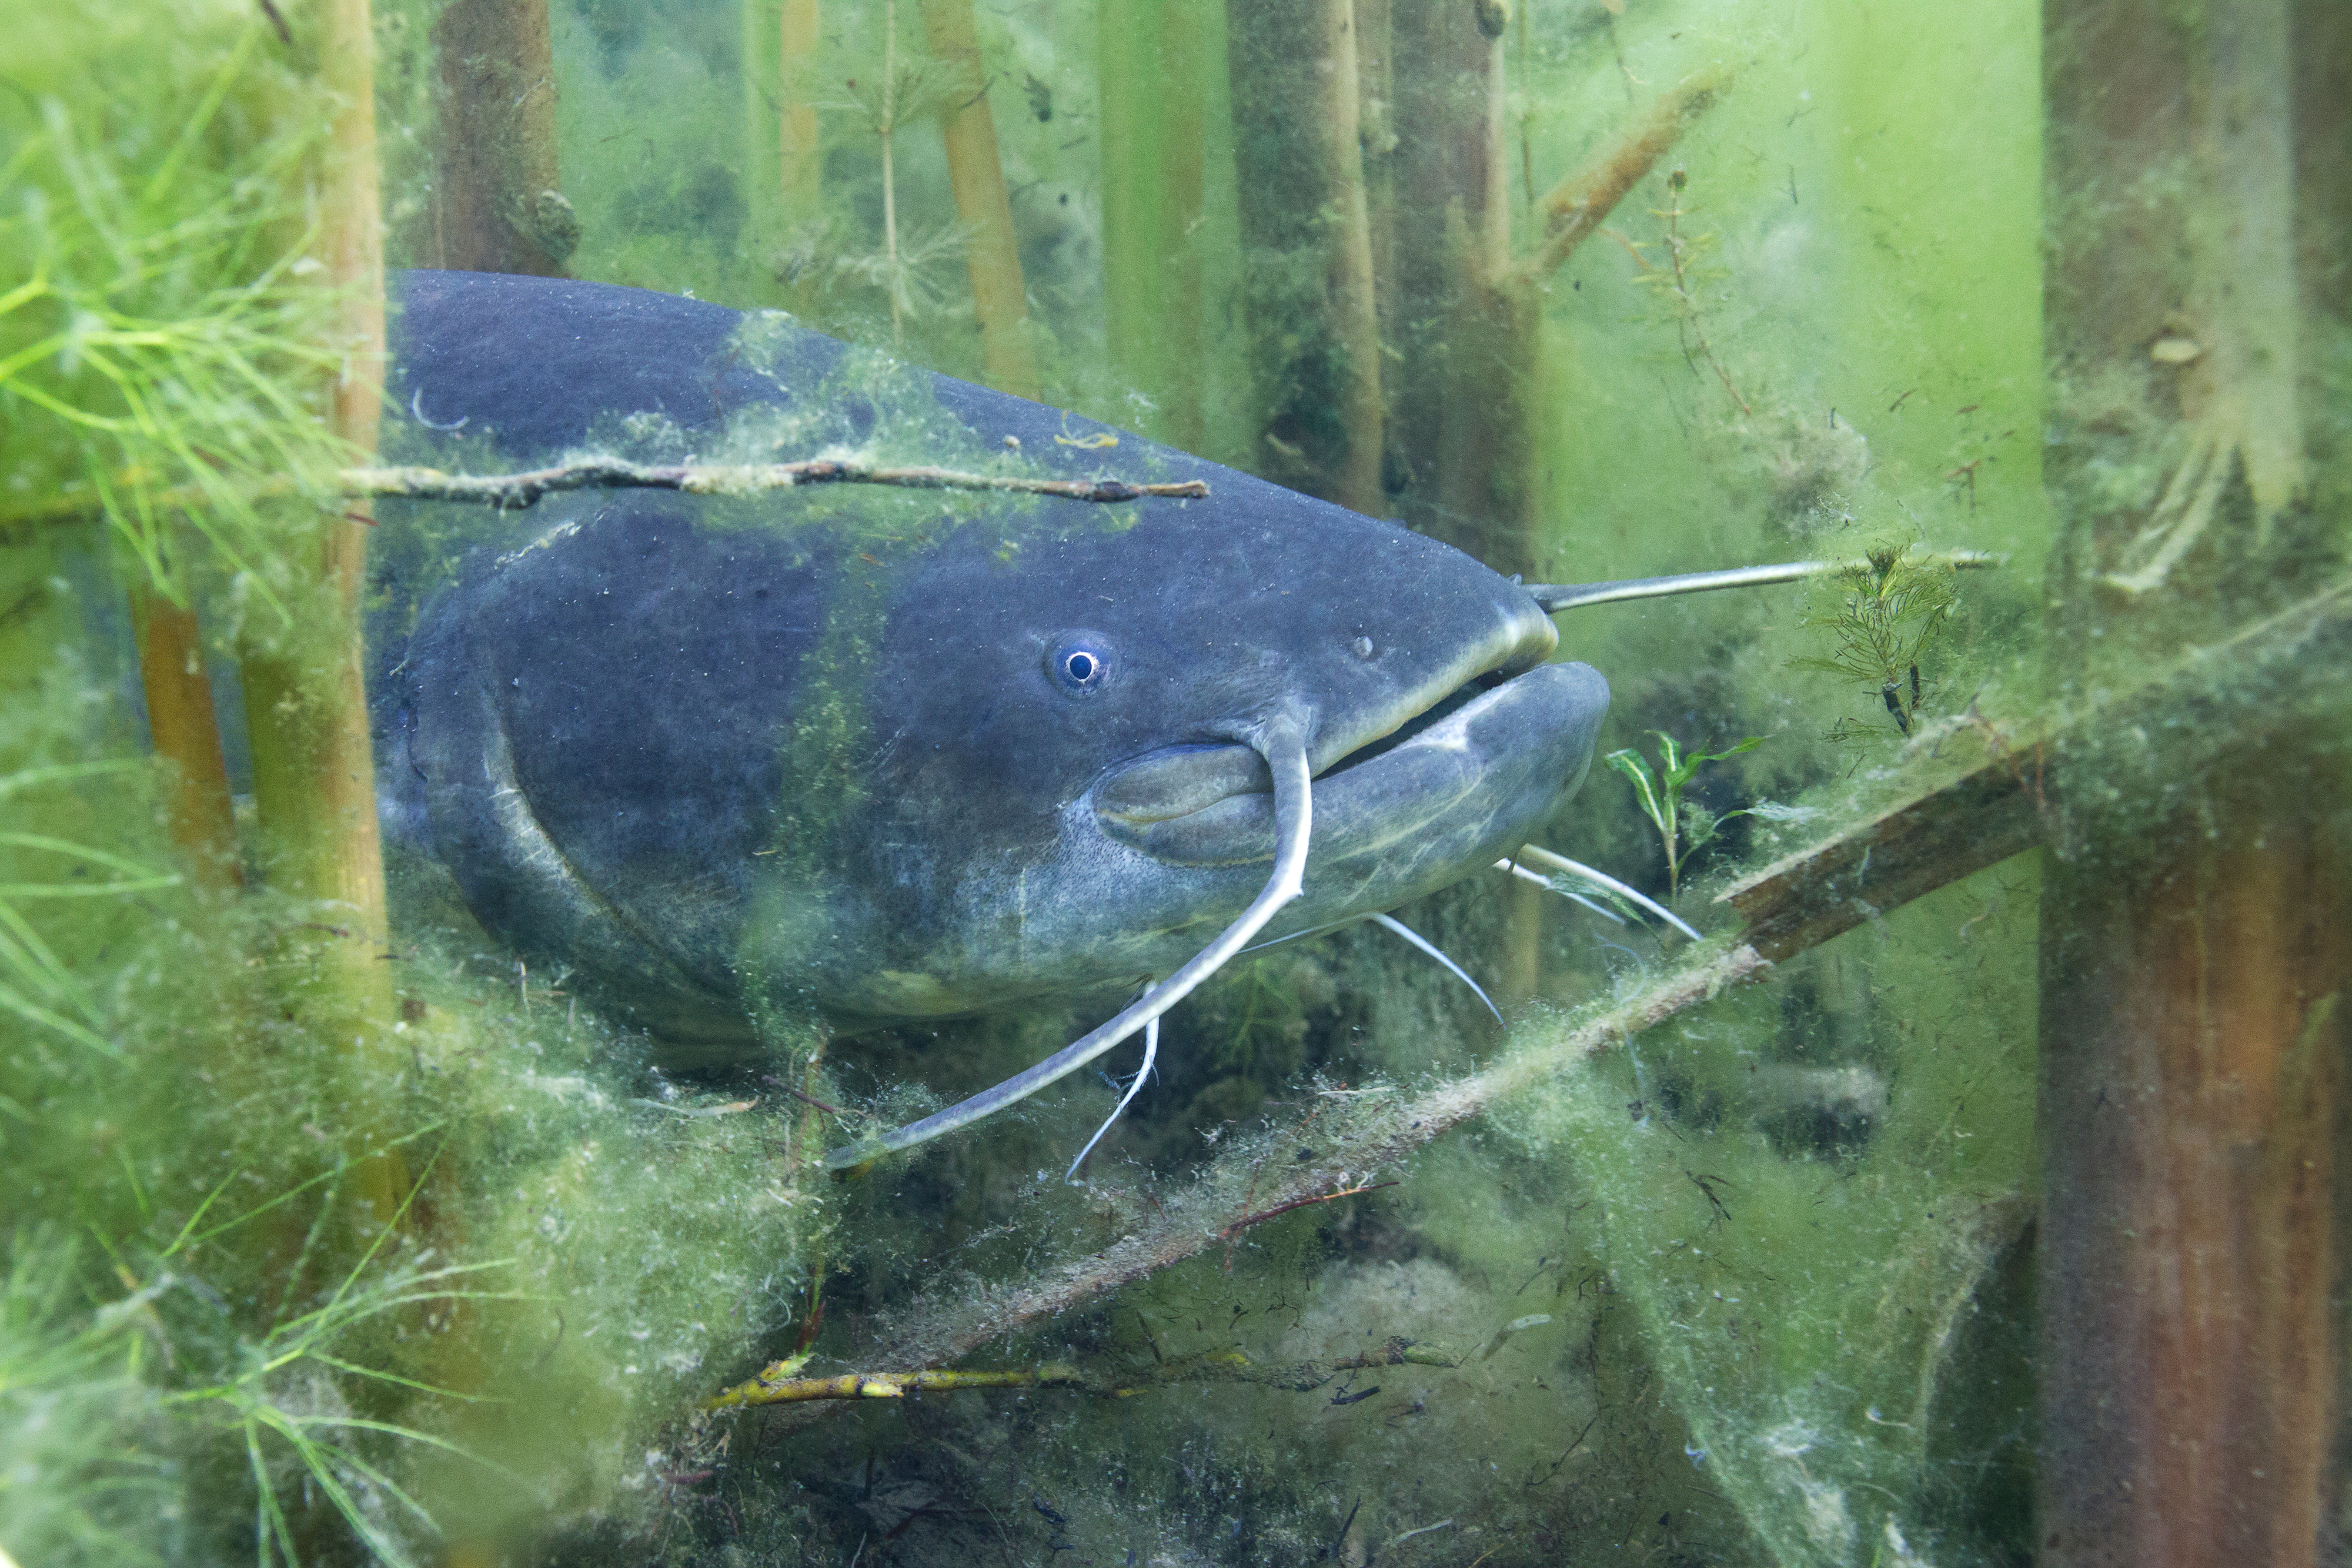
1283 743
1557 596
1150 1055
1578 868
1391 923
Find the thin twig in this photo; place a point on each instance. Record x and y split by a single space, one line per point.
1247 1220
775 1385
509 491
803 1098
512 492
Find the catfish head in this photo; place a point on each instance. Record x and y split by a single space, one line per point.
769 757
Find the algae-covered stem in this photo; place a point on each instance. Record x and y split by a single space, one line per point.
497 202
1155 202
185 733
776 1385
1316 337
2195 937
886 125
976 175
306 707
523 489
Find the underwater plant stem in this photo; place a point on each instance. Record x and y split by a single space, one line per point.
800 170
883 1385
775 1386
1310 298
186 732
1574 209
306 710
976 173
1154 199
498 205
886 128
1354 307
1493 234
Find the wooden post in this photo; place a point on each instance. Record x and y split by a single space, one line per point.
2197 930
497 204
1008 359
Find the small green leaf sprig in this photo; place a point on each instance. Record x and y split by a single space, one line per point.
1684 827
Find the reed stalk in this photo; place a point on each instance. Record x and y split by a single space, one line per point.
498 206
799 167
992 252
306 707
184 732
1153 73
1312 301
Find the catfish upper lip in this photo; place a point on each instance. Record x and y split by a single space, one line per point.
1425 779
1177 780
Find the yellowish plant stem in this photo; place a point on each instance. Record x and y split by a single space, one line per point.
313 766
889 128
182 728
799 169
1576 207
1008 359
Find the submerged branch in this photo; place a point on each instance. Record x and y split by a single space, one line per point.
1386 1130
2282 676
513 492
775 1385
518 490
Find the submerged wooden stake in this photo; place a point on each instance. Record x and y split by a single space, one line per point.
1310 298
2193 1042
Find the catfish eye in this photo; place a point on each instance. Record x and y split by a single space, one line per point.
1079 665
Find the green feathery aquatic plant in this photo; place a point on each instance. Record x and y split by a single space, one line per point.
156 355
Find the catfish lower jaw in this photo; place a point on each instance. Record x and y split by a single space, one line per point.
1477 751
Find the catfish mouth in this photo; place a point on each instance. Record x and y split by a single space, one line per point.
1209 805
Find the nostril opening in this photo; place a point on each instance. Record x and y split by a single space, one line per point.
1362 647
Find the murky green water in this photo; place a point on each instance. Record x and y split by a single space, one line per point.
1967 1191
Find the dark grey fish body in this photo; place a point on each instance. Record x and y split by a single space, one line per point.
889 757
